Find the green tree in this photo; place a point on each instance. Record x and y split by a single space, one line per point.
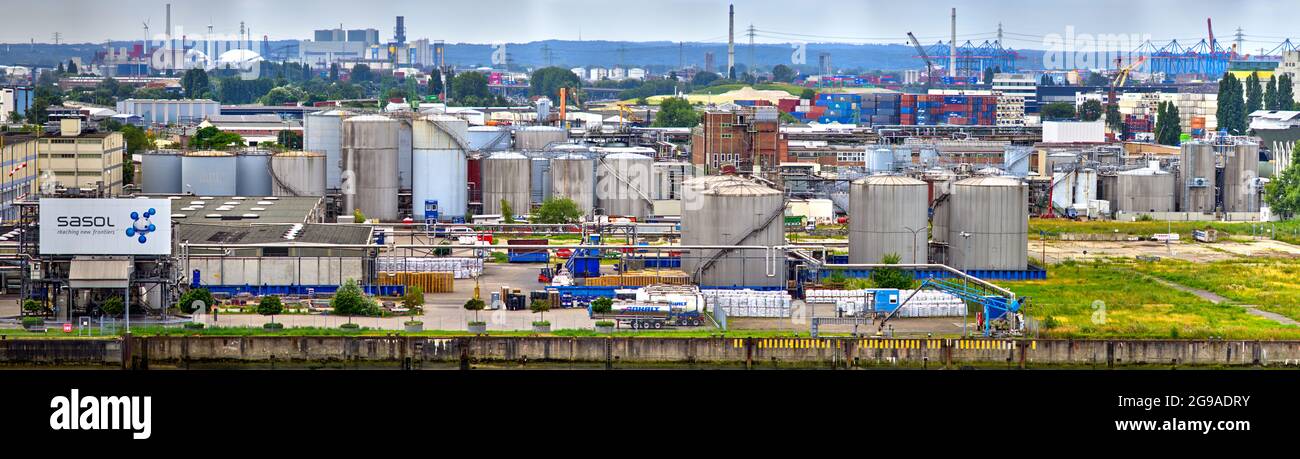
1058 111
1231 105
1285 93
113 306
211 138
194 299
602 305
507 212
808 94
891 277
72 67
556 211
783 73
1167 130
1270 94
334 71
361 73
270 306
350 301
435 82
1113 118
414 300
470 85
540 307
702 79
476 305
988 75
282 95
547 82
289 139
357 216
676 112
44 97
1091 110
1254 94
1283 193
195 83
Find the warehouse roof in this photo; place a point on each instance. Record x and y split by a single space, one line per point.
278 233
244 209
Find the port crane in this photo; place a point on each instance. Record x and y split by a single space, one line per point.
929 66
1000 306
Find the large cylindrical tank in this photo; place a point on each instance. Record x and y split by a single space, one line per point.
404 162
488 138
880 160
540 170
369 178
161 172
298 173
536 138
506 175
741 214
1196 170
692 205
623 184
1085 187
439 166
1143 190
888 214
902 157
988 224
253 173
573 176
323 132
1240 170
209 173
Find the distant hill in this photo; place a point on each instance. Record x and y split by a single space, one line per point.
655 55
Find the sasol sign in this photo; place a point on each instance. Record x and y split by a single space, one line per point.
106 227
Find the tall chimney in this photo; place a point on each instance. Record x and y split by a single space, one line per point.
731 41
952 47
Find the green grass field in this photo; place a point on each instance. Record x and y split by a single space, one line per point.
1288 231
1271 284
1134 307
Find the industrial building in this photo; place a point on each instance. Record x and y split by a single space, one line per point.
18 155
255 129
743 138
87 161
168 111
15 99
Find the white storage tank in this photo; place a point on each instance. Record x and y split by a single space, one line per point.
692 205
880 160
624 184
573 176
1196 167
370 160
209 173
161 172
488 138
439 166
506 176
298 173
253 173
888 214
988 224
323 132
738 214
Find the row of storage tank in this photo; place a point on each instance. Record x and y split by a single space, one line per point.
1196 186
233 173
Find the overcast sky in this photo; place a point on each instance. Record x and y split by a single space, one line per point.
1265 22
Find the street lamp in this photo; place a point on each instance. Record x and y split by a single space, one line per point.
915 233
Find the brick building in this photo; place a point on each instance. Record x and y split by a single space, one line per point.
743 137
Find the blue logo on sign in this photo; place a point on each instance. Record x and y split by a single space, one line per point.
141 226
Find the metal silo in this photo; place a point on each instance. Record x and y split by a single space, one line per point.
506 176
536 138
692 225
623 184
369 178
1196 170
888 214
404 166
540 170
737 215
298 173
1240 169
161 172
323 132
488 138
439 166
988 224
253 173
1143 190
902 157
1085 187
209 173
573 176
880 160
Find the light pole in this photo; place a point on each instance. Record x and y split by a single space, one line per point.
965 313
915 232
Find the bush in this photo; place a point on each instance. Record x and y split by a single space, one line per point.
602 305
604 323
541 323
113 306
476 323
270 306
413 322
193 326
32 306
33 322
891 277
186 303
351 301
1050 323
414 300
273 326
350 326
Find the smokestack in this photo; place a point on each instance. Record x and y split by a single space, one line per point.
731 41
952 47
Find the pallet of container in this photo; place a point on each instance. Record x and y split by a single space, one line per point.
640 279
429 282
